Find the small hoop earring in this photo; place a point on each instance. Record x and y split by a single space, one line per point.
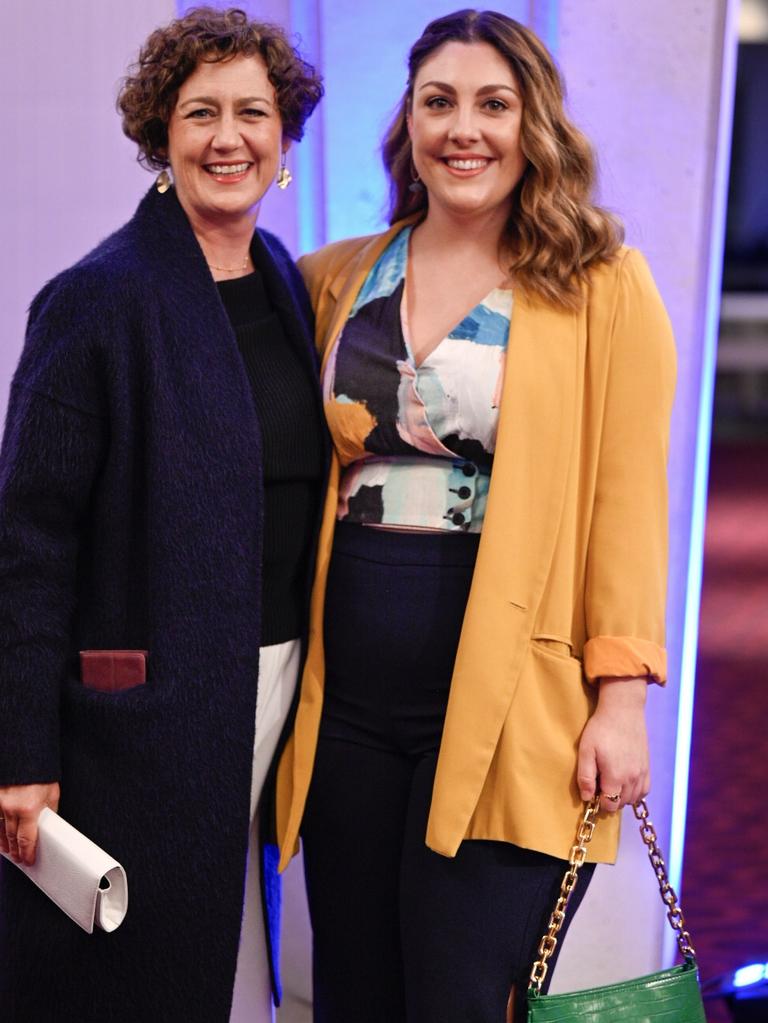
163 182
284 176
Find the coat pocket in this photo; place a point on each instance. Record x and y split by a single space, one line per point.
113 671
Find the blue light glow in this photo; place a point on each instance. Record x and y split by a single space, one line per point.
751 974
309 158
701 469
546 22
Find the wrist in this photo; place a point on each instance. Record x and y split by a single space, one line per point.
629 692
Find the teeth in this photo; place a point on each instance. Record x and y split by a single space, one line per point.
467 164
235 168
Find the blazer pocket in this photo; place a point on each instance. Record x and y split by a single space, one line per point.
113 671
557 646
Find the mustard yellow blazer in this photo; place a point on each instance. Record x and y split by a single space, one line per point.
570 578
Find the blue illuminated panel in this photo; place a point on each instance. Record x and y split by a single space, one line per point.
700 454
364 63
308 157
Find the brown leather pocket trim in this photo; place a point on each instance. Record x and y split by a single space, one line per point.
113 671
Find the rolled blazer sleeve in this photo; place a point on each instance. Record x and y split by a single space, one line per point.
626 576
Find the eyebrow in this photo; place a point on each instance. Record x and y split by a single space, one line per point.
212 101
486 89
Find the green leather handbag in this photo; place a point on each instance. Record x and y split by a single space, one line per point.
669 995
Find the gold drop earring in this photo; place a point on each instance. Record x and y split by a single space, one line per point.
284 176
163 182
415 186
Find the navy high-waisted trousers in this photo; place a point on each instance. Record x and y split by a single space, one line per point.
400 932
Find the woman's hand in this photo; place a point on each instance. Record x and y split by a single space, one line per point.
20 806
613 752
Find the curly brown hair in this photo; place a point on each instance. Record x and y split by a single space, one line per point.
170 55
555 232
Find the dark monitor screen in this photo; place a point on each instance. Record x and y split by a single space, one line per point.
746 241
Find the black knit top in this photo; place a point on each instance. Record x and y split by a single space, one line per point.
292 450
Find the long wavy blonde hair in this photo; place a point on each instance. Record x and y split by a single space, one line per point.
555 232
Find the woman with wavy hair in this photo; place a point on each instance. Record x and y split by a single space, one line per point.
489 600
160 484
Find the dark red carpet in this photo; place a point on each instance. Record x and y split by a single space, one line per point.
725 878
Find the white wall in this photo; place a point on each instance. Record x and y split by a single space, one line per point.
68 176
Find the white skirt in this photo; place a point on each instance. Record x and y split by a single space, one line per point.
278 674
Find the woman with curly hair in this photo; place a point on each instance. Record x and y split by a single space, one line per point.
489 601
159 490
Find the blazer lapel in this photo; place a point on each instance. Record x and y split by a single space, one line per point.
528 483
344 288
533 448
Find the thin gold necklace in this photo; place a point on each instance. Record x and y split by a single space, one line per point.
231 269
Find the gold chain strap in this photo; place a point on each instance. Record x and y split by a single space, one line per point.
578 854
667 892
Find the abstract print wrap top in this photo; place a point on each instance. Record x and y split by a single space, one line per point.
416 441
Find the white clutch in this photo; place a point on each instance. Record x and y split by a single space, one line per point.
84 881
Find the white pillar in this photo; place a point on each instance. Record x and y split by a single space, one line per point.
652 84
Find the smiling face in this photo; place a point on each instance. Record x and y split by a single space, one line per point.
225 139
464 123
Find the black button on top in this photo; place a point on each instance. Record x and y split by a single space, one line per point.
464 493
457 519
468 469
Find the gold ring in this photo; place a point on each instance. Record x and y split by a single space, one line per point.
612 799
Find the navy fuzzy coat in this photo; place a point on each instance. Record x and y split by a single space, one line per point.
131 518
